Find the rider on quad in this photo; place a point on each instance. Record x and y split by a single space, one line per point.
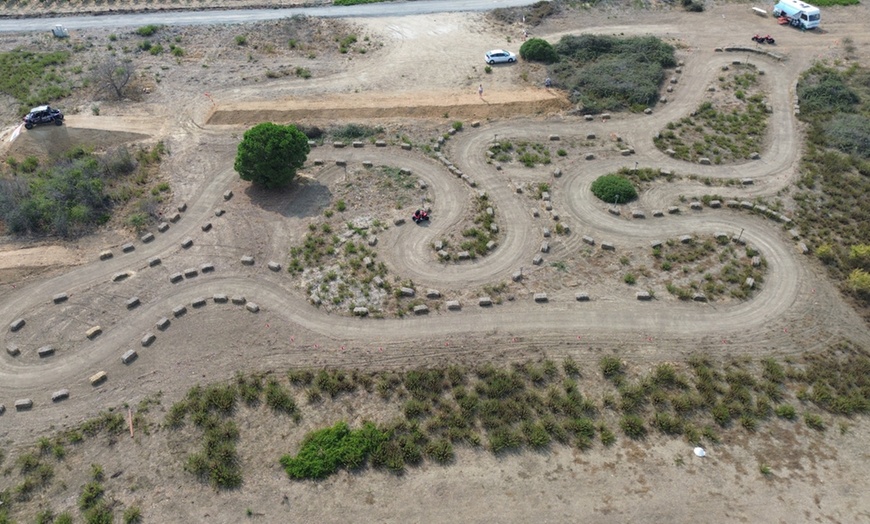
420 215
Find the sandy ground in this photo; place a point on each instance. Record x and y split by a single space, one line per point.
200 106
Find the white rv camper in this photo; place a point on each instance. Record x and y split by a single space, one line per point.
797 13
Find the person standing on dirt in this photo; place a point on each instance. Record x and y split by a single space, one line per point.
480 90
548 83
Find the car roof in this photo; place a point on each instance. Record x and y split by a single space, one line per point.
494 51
39 108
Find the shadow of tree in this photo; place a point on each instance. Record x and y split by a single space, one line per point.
304 197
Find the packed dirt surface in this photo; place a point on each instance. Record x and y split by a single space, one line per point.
417 76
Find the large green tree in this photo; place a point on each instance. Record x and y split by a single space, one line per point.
270 154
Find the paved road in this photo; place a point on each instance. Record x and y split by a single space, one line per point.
255 15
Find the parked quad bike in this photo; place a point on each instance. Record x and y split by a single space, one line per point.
420 215
763 39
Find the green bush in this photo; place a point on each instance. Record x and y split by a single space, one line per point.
814 421
269 154
91 494
354 132
324 451
279 399
823 90
589 47
536 435
132 515
633 427
440 451
23 72
667 423
859 255
503 439
249 388
538 50
66 199
785 411
415 408
572 369
859 281
99 514
609 73
611 366
850 133
614 189
146 30
617 83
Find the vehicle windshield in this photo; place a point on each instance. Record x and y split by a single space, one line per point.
815 17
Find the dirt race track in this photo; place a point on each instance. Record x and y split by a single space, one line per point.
796 310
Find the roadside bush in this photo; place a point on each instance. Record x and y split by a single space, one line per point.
614 188
354 131
147 30
538 50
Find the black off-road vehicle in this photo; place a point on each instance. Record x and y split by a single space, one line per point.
43 115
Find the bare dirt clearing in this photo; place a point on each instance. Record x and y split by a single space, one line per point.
416 78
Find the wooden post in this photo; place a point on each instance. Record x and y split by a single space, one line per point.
130 418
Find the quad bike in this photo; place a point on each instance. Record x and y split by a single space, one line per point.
763 39
421 215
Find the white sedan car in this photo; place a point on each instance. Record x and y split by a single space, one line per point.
497 56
